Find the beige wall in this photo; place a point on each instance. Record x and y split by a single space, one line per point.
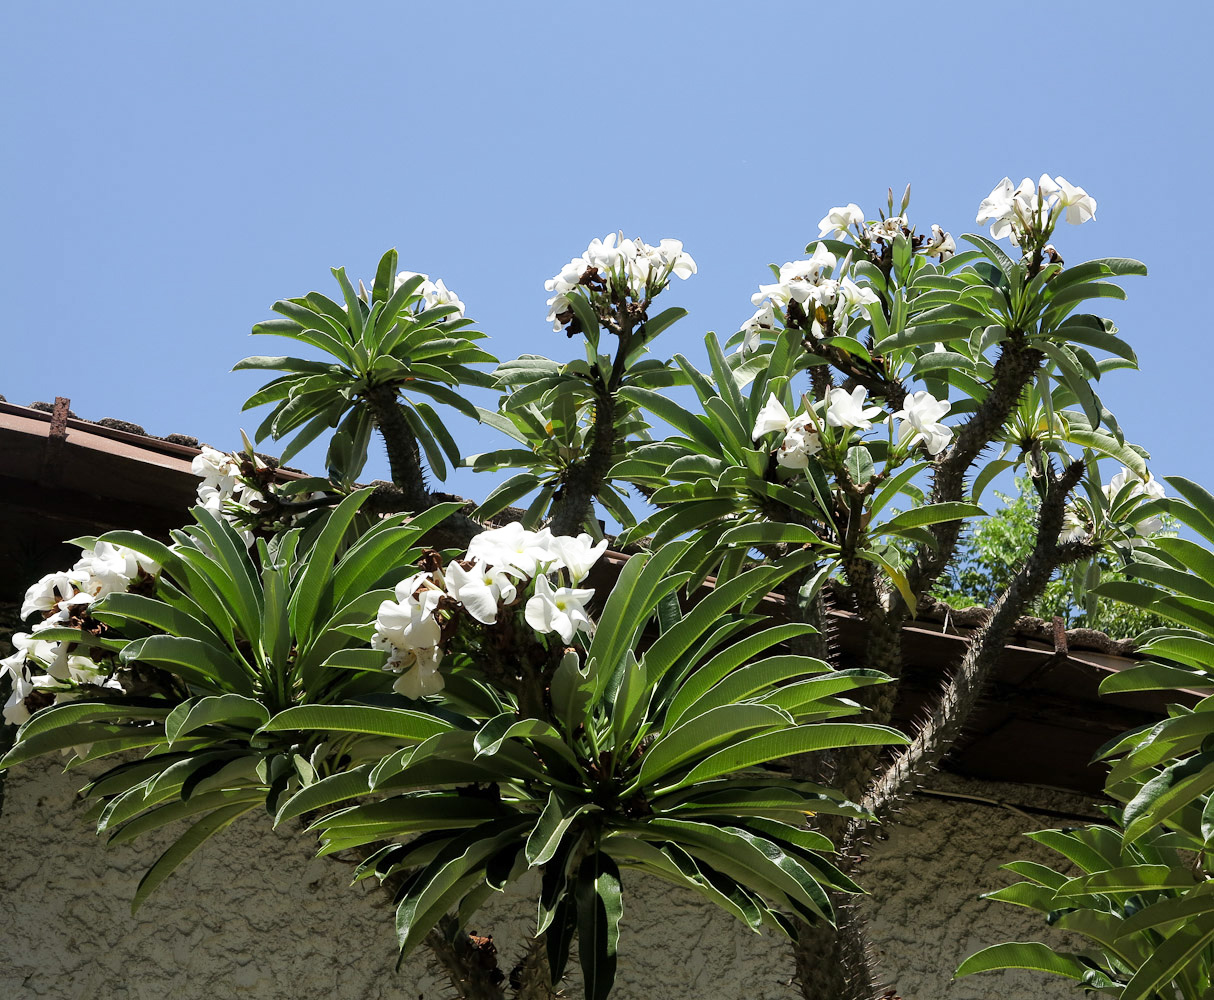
253 915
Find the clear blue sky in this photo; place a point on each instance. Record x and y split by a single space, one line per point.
172 169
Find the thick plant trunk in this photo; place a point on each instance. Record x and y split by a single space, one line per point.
531 978
833 962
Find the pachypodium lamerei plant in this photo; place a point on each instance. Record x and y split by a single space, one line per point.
575 419
593 748
403 336
459 700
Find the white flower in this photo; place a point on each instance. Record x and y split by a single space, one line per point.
837 220
773 417
844 409
215 469
569 276
418 669
561 610
940 245
104 569
1073 529
669 254
763 319
800 443
1080 206
46 594
558 305
1150 487
82 670
998 208
15 712
1029 206
577 555
480 589
920 416
403 276
629 265
797 279
604 254
850 298
408 622
49 656
887 229
440 295
510 547
421 679
1012 210
432 294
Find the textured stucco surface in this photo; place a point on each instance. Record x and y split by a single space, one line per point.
254 915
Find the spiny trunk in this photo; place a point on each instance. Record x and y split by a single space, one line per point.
404 458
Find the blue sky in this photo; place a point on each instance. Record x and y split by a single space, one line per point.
173 169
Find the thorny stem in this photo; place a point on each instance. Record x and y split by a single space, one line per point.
1017 365
404 457
584 479
960 697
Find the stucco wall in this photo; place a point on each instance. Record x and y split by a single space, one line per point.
253 915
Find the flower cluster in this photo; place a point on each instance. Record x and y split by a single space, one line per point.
843 410
887 230
500 563
221 479
223 485
61 599
628 267
1123 492
820 298
434 294
838 222
1030 209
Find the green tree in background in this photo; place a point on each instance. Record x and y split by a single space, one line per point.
996 545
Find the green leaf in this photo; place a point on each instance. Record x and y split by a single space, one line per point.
1167 793
769 533
694 426
550 830
458 867
335 788
197 661
305 601
786 743
695 735
208 711
508 726
1168 911
1153 677
1182 949
1129 879
936 513
186 845
1023 955
398 723
600 906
